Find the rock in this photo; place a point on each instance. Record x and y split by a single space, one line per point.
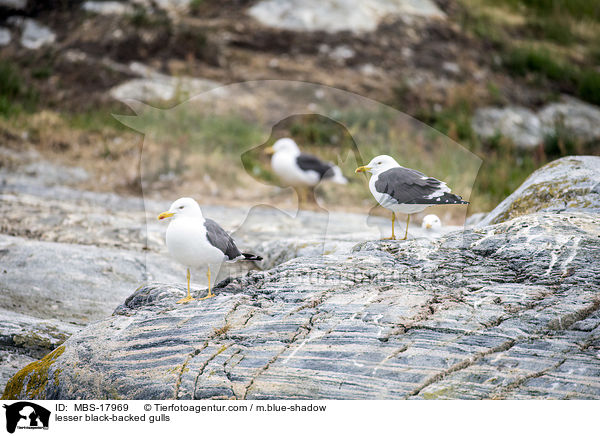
451 67
107 7
569 183
50 231
576 117
38 338
507 311
173 7
337 15
13 4
528 129
35 35
34 274
154 86
475 219
4 36
342 53
520 125
24 339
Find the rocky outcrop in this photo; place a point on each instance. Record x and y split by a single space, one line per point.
508 311
107 245
570 183
528 129
152 86
51 231
336 16
508 308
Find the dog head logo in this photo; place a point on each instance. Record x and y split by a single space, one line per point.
26 415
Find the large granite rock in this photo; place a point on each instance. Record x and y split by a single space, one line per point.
508 311
108 244
519 124
339 15
51 231
570 183
527 129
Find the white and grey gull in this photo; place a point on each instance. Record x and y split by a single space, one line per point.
196 241
404 190
298 169
431 223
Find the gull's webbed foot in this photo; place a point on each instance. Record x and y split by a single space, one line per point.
186 300
210 295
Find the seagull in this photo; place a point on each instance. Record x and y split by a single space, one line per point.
404 190
299 169
431 222
194 241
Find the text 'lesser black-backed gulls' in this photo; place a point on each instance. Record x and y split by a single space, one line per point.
195 241
298 169
404 190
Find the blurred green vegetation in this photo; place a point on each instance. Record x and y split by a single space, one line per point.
15 95
556 41
577 9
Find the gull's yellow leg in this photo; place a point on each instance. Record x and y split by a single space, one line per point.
393 235
406 232
189 297
301 196
210 294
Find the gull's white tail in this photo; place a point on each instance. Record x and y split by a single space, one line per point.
338 177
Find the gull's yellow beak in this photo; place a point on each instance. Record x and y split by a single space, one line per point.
427 226
362 169
269 150
164 215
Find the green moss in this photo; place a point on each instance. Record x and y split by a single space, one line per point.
523 60
439 394
35 340
589 86
543 195
35 375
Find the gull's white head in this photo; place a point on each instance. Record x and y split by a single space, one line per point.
379 164
184 206
284 145
431 222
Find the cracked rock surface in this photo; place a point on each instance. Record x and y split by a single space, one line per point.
511 310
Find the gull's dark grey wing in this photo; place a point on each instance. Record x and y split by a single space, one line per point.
221 239
408 186
308 162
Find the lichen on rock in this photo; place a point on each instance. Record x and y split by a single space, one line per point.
32 381
570 183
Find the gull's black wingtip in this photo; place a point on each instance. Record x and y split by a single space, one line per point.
249 256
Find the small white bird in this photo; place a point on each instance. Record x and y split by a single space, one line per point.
404 190
431 222
195 241
298 169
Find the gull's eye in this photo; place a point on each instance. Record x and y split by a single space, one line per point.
180 207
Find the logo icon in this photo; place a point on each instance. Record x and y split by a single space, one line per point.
26 415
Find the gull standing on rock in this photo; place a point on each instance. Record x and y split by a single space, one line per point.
195 241
404 190
301 170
